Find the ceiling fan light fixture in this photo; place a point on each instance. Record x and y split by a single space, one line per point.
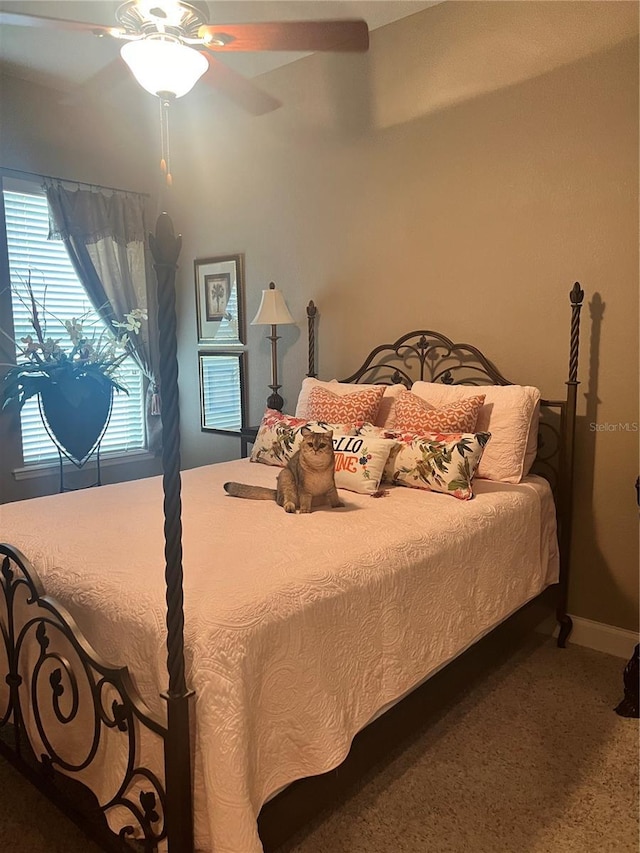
164 65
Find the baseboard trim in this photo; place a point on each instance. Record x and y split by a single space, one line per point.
599 636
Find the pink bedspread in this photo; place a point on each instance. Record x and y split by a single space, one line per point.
298 628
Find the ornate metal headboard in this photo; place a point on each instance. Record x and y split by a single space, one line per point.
431 357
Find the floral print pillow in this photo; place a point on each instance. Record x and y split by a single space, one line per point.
279 436
437 462
360 461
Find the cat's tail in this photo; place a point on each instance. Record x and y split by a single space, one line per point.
256 493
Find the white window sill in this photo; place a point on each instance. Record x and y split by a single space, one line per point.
107 460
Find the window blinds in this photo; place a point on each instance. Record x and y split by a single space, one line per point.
220 386
56 285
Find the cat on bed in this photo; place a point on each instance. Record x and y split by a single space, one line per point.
308 474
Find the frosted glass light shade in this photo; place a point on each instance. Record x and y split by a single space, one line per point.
160 65
273 309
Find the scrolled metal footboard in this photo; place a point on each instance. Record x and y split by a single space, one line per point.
63 710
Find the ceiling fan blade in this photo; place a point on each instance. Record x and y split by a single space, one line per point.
289 35
17 19
238 89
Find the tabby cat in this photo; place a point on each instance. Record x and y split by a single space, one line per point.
308 474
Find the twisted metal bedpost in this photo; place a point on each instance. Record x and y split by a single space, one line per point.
165 248
566 467
311 324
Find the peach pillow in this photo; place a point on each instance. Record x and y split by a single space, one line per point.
386 413
344 408
340 388
510 413
386 417
413 414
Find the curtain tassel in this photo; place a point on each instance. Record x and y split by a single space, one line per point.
155 407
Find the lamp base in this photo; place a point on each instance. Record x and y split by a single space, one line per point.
275 401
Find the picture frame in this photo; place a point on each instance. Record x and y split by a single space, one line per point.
219 283
223 404
217 289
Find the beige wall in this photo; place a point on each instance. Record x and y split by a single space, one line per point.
461 176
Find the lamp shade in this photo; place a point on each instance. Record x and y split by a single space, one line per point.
273 309
163 65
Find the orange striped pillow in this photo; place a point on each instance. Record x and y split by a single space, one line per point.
413 414
344 408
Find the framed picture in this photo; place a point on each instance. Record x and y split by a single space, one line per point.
220 301
217 290
222 391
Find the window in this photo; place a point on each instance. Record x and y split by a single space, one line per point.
55 283
221 391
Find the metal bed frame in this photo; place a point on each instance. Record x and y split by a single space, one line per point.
162 810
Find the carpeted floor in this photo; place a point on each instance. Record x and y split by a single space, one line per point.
532 759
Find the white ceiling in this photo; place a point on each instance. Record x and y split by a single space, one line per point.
63 59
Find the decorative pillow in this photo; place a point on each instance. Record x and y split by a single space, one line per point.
340 388
279 436
510 413
437 462
344 408
386 416
360 461
365 428
413 414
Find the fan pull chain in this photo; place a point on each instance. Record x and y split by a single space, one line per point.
165 162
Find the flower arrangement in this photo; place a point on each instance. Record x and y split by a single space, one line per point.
93 351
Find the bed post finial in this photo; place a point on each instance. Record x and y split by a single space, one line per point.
311 320
576 296
565 492
165 248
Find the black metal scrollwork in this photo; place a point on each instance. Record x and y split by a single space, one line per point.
428 356
51 671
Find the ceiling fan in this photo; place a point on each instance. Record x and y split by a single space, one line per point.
170 44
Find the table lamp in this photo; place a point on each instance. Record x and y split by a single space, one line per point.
272 312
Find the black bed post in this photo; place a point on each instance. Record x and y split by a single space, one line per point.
311 326
566 467
165 248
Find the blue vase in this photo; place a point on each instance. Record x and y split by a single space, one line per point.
76 414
